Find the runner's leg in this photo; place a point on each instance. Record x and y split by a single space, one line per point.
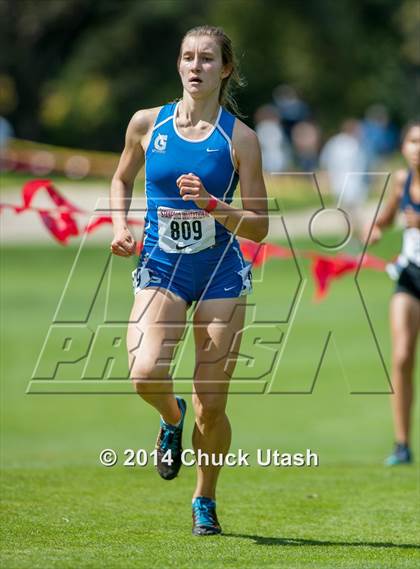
157 323
405 323
218 328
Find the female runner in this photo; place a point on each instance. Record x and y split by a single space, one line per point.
405 303
194 152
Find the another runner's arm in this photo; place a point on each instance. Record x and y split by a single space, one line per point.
250 222
387 216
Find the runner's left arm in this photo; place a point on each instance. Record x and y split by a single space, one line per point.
250 222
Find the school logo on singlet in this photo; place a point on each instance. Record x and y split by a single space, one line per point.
160 143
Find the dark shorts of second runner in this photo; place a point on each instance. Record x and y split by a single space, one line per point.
409 281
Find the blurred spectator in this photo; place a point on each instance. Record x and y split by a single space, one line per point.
274 146
345 161
291 108
306 138
6 132
379 136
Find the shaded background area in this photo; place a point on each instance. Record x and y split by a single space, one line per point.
73 71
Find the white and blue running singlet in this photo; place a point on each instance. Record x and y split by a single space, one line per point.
406 270
411 236
184 248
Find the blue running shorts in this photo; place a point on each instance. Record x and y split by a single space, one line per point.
216 272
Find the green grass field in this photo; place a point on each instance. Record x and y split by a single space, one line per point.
62 509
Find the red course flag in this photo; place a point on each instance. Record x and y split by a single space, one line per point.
61 223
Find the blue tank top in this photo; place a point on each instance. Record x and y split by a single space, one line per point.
169 155
406 199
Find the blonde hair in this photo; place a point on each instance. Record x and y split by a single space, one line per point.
234 79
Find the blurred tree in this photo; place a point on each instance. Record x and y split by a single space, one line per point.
78 69
37 39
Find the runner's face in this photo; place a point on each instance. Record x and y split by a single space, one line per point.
200 66
411 147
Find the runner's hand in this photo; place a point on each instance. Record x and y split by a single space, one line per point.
375 235
123 243
191 189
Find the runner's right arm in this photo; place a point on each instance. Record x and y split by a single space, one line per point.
131 160
386 218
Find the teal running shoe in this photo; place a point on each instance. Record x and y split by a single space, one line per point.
169 446
401 455
204 516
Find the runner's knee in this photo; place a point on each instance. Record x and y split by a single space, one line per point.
145 372
403 357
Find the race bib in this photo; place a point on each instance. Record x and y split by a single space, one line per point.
185 230
411 245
